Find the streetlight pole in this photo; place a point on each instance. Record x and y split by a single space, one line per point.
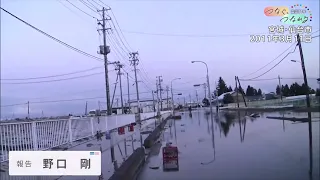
208 82
172 94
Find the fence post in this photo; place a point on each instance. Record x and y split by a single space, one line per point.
34 135
70 130
92 129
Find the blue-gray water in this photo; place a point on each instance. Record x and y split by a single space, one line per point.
260 148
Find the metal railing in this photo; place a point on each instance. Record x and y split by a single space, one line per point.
46 134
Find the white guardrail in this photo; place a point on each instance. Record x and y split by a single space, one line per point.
46 134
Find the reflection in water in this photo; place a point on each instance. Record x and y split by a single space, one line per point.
213 143
242 133
206 115
225 125
198 117
190 115
170 126
175 131
283 127
310 144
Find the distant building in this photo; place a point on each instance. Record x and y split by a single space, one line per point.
149 105
269 96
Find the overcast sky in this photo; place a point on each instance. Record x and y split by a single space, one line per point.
149 28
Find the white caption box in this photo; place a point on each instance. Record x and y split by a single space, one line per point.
66 163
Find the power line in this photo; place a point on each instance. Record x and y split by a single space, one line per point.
96 3
269 62
84 3
65 100
51 76
274 65
56 80
120 30
10 105
95 7
81 10
268 79
53 38
105 4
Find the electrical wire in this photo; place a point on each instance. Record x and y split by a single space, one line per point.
114 17
56 80
96 3
81 10
104 4
274 65
10 105
84 3
66 100
269 62
276 79
95 7
51 76
69 9
53 38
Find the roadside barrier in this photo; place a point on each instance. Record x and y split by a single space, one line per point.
129 170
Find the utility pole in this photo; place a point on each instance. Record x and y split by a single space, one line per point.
280 87
28 110
99 106
118 68
167 89
184 101
197 97
237 89
105 50
308 102
158 104
134 62
160 89
153 103
128 91
117 102
242 93
86 109
205 90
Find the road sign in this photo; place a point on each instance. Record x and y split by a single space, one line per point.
170 158
121 130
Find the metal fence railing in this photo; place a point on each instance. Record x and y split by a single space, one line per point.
46 134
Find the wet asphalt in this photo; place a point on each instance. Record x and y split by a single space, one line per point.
232 146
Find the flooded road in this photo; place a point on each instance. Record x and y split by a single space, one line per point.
240 147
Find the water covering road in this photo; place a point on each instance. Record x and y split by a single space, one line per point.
255 148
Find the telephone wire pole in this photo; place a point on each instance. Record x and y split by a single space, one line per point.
105 50
118 68
134 62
